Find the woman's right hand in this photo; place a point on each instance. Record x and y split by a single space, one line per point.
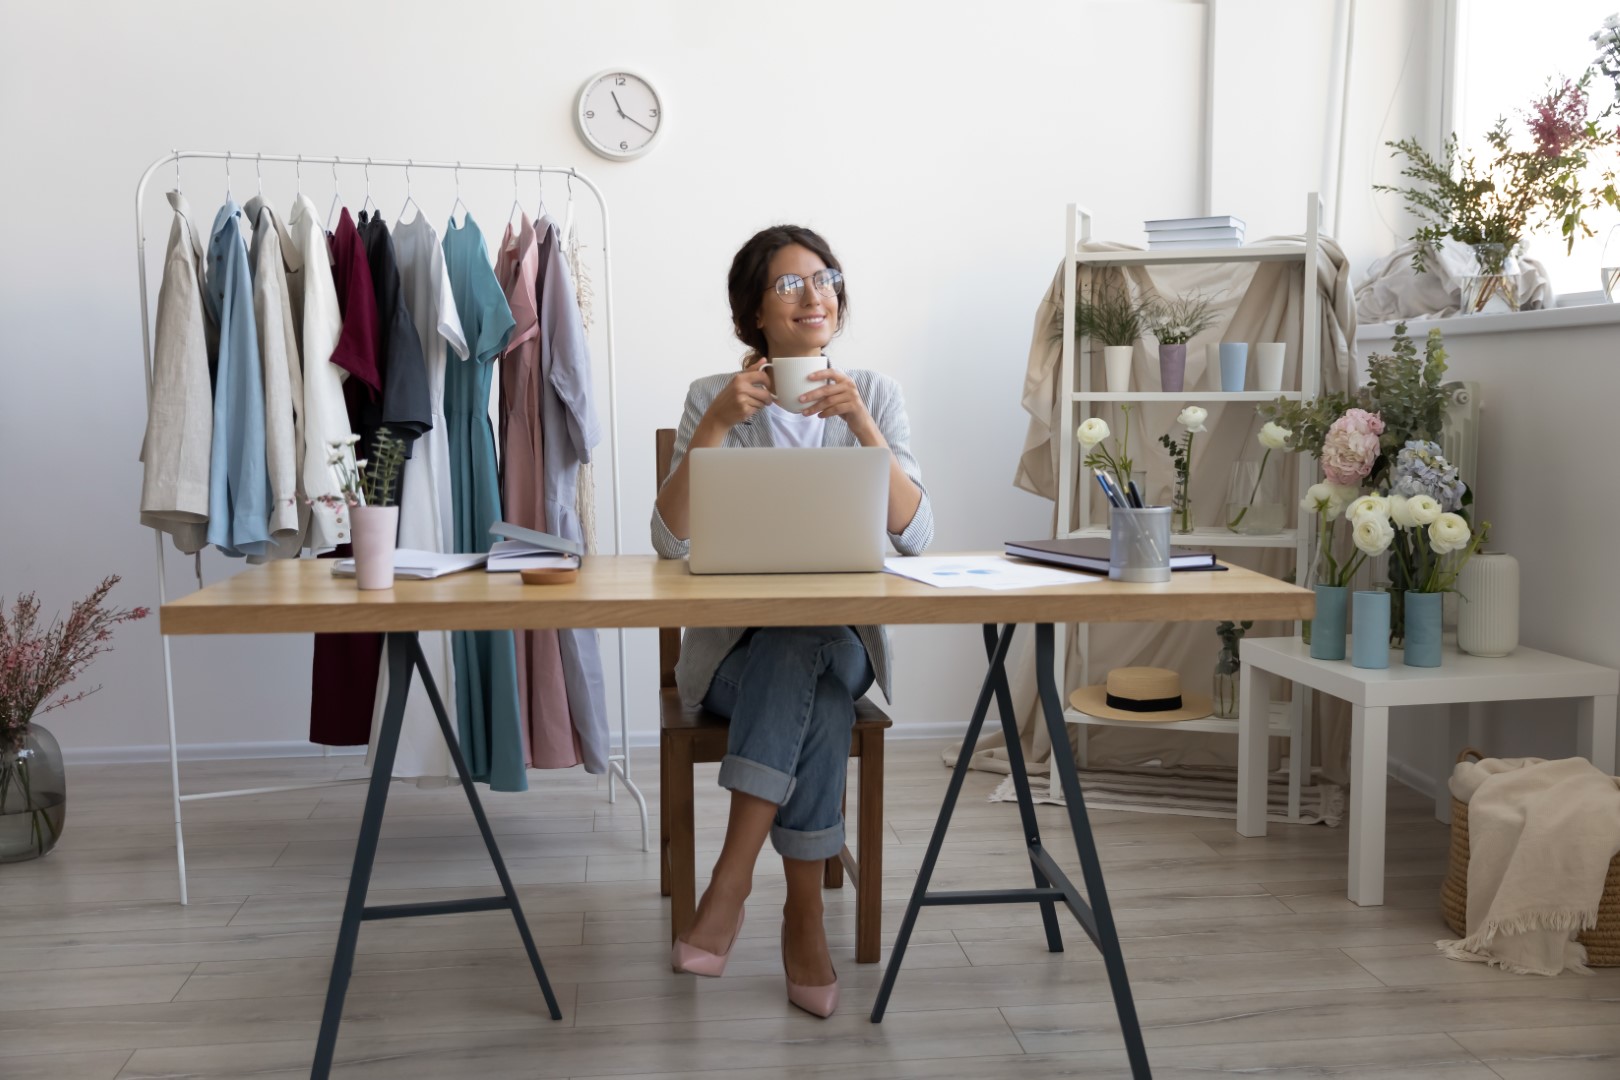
742 397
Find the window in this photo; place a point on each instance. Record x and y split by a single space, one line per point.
1506 50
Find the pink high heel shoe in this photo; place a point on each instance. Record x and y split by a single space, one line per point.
689 959
815 1000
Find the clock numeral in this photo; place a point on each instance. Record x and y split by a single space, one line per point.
623 145
590 114
618 80
652 112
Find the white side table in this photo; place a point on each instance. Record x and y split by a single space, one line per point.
1461 681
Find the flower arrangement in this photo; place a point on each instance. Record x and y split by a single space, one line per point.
361 483
1093 433
36 663
1607 39
1192 419
1175 322
1428 499
1112 318
1493 202
1273 436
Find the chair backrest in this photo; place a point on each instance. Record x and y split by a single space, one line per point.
669 637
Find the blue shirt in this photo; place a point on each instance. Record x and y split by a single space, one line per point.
238 481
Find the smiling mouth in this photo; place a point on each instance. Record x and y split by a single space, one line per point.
810 320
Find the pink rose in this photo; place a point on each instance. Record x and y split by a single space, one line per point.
1351 447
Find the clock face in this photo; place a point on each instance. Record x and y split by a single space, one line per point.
619 114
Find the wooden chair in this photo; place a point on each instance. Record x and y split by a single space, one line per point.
689 736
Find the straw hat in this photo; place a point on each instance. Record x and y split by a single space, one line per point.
1146 695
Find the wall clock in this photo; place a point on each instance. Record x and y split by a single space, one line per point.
619 114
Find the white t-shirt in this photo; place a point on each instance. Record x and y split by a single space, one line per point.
794 429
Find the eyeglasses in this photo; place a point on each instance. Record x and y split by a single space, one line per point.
828 282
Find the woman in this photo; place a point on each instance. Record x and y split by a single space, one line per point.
789 691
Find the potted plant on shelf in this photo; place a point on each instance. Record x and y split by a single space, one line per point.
1491 202
1192 419
1227 665
36 663
371 491
1174 323
1116 320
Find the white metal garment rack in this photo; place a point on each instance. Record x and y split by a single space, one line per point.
618 763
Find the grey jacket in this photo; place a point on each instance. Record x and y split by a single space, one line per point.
703 648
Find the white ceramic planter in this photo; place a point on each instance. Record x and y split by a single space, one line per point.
1268 365
1117 367
1488 605
376 529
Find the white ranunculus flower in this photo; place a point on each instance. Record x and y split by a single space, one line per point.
1425 509
1092 432
1274 436
1367 506
1400 512
1192 418
1449 533
1320 497
1373 533
1343 496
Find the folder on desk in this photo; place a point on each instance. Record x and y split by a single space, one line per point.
529 549
1083 553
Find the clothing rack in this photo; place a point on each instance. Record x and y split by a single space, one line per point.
619 763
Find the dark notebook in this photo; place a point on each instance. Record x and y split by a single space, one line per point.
1083 553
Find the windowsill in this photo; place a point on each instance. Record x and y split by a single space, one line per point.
1557 318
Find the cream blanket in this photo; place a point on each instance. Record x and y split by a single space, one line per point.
1540 835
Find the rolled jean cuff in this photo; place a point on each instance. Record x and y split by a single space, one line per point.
752 778
808 846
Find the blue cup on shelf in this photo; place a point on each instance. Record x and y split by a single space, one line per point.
1369 628
1234 366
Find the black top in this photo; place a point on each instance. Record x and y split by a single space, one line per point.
406 407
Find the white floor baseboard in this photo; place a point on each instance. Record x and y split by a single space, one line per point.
248 751
1413 777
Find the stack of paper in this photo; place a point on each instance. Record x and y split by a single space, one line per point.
419 565
1174 233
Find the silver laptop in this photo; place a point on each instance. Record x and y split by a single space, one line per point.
788 510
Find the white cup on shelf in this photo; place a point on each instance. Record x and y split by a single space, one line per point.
1269 358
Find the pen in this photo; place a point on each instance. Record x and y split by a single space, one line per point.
1102 482
1136 496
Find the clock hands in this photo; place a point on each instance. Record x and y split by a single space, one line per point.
626 115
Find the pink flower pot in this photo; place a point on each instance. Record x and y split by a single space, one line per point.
376 529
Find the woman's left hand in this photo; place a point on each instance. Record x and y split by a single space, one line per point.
839 398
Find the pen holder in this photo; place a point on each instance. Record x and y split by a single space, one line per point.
1139 543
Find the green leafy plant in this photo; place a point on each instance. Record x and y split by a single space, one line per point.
1177 321
1230 633
1180 502
381 478
1113 318
1092 435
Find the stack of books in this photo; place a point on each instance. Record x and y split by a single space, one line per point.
1176 233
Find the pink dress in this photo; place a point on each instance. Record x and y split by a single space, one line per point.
548 730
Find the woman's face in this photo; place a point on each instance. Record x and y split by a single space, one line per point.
802 327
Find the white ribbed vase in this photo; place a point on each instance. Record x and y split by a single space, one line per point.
1488 605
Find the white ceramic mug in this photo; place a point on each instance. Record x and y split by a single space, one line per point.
1268 366
790 377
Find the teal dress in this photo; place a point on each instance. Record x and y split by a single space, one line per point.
485 660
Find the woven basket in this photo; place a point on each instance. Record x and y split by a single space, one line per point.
1602 941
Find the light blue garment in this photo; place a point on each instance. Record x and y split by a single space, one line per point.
568 431
238 481
790 693
485 660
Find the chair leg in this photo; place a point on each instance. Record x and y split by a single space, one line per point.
677 798
832 873
663 814
869 854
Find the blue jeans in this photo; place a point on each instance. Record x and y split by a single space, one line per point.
790 693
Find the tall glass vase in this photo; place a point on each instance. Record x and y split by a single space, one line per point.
1490 286
33 796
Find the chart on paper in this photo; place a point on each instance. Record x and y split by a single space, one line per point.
981 572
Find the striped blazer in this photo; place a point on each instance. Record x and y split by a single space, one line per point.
703 648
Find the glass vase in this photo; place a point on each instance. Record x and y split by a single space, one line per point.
1181 515
1224 690
1253 499
1609 266
1490 286
33 796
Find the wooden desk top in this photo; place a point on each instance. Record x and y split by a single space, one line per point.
302 596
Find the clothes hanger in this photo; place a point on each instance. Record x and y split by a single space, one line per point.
298 175
258 175
336 198
410 200
517 200
176 153
568 213
540 186
228 176
368 201
465 213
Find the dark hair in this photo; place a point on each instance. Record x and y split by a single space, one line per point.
747 284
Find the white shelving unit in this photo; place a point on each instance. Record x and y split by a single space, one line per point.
1074 504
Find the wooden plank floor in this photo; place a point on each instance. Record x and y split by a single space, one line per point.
1244 954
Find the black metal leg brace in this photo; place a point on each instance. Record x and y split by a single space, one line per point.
1051 884
404 653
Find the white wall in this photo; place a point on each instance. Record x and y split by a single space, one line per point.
934 145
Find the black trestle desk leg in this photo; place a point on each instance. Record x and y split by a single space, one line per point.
399 648
454 745
1086 844
935 842
1020 780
